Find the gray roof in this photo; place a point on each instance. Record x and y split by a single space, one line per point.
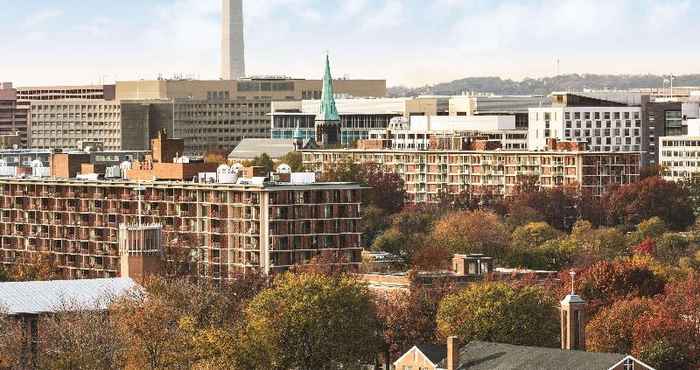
434 352
495 356
35 297
251 148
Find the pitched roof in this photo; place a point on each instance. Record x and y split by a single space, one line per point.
251 148
485 355
36 297
329 112
435 353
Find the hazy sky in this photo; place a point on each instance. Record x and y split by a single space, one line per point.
410 42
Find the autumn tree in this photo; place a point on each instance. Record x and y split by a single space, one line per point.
407 233
612 329
557 206
35 267
533 235
471 232
608 281
596 244
13 348
667 337
79 337
629 205
309 321
498 312
163 325
386 189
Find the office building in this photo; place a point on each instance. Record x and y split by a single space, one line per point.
679 156
232 41
76 92
14 120
604 125
479 167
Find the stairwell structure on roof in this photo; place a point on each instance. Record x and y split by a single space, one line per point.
328 119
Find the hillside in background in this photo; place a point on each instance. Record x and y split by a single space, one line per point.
543 86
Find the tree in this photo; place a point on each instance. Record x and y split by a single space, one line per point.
498 312
35 266
629 205
556 206
386 189
533 235
264 161
612 329
407 318
79 338
216 156
293 160
520 214
13 349
652 228
165 325
310 321
608 281
671 247
552 255
471 232
596 244
406 235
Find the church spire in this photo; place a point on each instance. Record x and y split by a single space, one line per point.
329 112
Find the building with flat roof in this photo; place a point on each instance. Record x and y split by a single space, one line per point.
72 92
14 117
428 173
262 226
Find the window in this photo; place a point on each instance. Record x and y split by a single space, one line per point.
628 364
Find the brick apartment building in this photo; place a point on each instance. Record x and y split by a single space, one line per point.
481 168
267 227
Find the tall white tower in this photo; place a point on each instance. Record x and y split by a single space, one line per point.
232 46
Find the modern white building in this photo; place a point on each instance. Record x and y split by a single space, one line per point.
680 155
613 128
232 45
415 132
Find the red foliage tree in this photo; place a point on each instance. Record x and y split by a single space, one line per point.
646 247
652 197
608 281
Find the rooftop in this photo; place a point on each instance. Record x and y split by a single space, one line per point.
486 355
36 297
251 148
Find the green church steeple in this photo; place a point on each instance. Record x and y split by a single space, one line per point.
328 112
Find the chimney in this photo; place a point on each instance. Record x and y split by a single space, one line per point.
452 353
573 320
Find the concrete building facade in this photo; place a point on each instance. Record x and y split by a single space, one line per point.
232 228
428 173
14 117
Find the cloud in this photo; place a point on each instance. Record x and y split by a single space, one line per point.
41 17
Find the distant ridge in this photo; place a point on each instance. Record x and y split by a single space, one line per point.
544 86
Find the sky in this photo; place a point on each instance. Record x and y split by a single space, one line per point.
407 42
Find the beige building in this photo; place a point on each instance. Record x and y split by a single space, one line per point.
83 92
247 89
428 173
68 123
